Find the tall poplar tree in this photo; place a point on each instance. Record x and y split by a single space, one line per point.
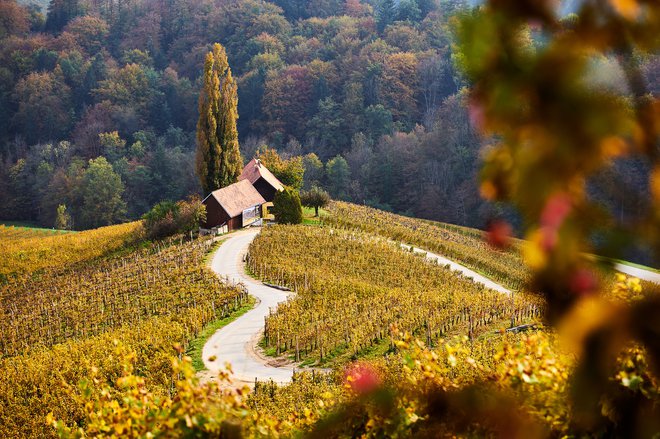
219 162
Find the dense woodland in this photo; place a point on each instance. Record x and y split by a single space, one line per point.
98 102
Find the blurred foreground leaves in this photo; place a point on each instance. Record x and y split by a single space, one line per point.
552 131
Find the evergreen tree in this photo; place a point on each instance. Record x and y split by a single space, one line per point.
408 10
21 184
378 121
219 161
287 207
385 14
320 92
60 12
338 175
314 171
426 6
326 127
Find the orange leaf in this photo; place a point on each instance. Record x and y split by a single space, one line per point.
655 183
626 8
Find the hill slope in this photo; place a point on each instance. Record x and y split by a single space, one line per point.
77 296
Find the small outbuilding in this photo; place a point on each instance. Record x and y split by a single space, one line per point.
235 206
262 179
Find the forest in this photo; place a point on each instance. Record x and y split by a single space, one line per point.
98 103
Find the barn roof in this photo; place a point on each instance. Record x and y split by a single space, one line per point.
255 170
237 197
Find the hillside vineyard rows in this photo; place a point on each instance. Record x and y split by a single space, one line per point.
352 287
88 300
55 324
464 245
28 251
461 244
103 310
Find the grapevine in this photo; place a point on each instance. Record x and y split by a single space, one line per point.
351 287
61 317
464 245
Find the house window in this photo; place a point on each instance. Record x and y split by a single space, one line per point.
250 215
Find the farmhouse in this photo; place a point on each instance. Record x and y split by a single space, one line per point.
235 206
262 179
241 204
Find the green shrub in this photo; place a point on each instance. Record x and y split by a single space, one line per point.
287 207
169 218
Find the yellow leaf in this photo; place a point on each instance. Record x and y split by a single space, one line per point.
533 253
612 146
488 190
586 316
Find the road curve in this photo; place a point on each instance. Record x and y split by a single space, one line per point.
235 343
640 273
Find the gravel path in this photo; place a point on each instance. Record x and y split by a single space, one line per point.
236 342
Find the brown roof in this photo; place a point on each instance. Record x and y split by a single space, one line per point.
237 197
255 170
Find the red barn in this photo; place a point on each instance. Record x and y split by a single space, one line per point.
235 206
262 179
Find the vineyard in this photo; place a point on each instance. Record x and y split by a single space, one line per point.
461 244
28 251
352 287
63 319
157 281
37 383
415 326
532 365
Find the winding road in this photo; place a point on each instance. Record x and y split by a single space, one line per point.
236 343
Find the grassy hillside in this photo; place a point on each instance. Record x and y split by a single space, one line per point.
33 227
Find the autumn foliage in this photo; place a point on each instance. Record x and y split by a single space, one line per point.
219 160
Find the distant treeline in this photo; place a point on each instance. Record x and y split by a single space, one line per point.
371 87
